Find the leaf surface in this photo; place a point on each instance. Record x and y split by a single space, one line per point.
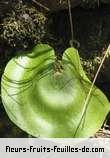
46 102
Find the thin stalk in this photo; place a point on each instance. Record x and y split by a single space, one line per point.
91 88
71 23
41 5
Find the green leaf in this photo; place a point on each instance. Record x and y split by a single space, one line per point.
46 98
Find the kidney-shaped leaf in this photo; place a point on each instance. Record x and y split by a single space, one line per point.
46 98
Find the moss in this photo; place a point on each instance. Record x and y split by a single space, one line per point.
91 66
23 27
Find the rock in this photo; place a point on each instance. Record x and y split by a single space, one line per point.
55 5
105 1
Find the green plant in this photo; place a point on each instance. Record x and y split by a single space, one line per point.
45 97
23 26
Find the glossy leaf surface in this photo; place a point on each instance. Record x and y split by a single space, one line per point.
47 102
